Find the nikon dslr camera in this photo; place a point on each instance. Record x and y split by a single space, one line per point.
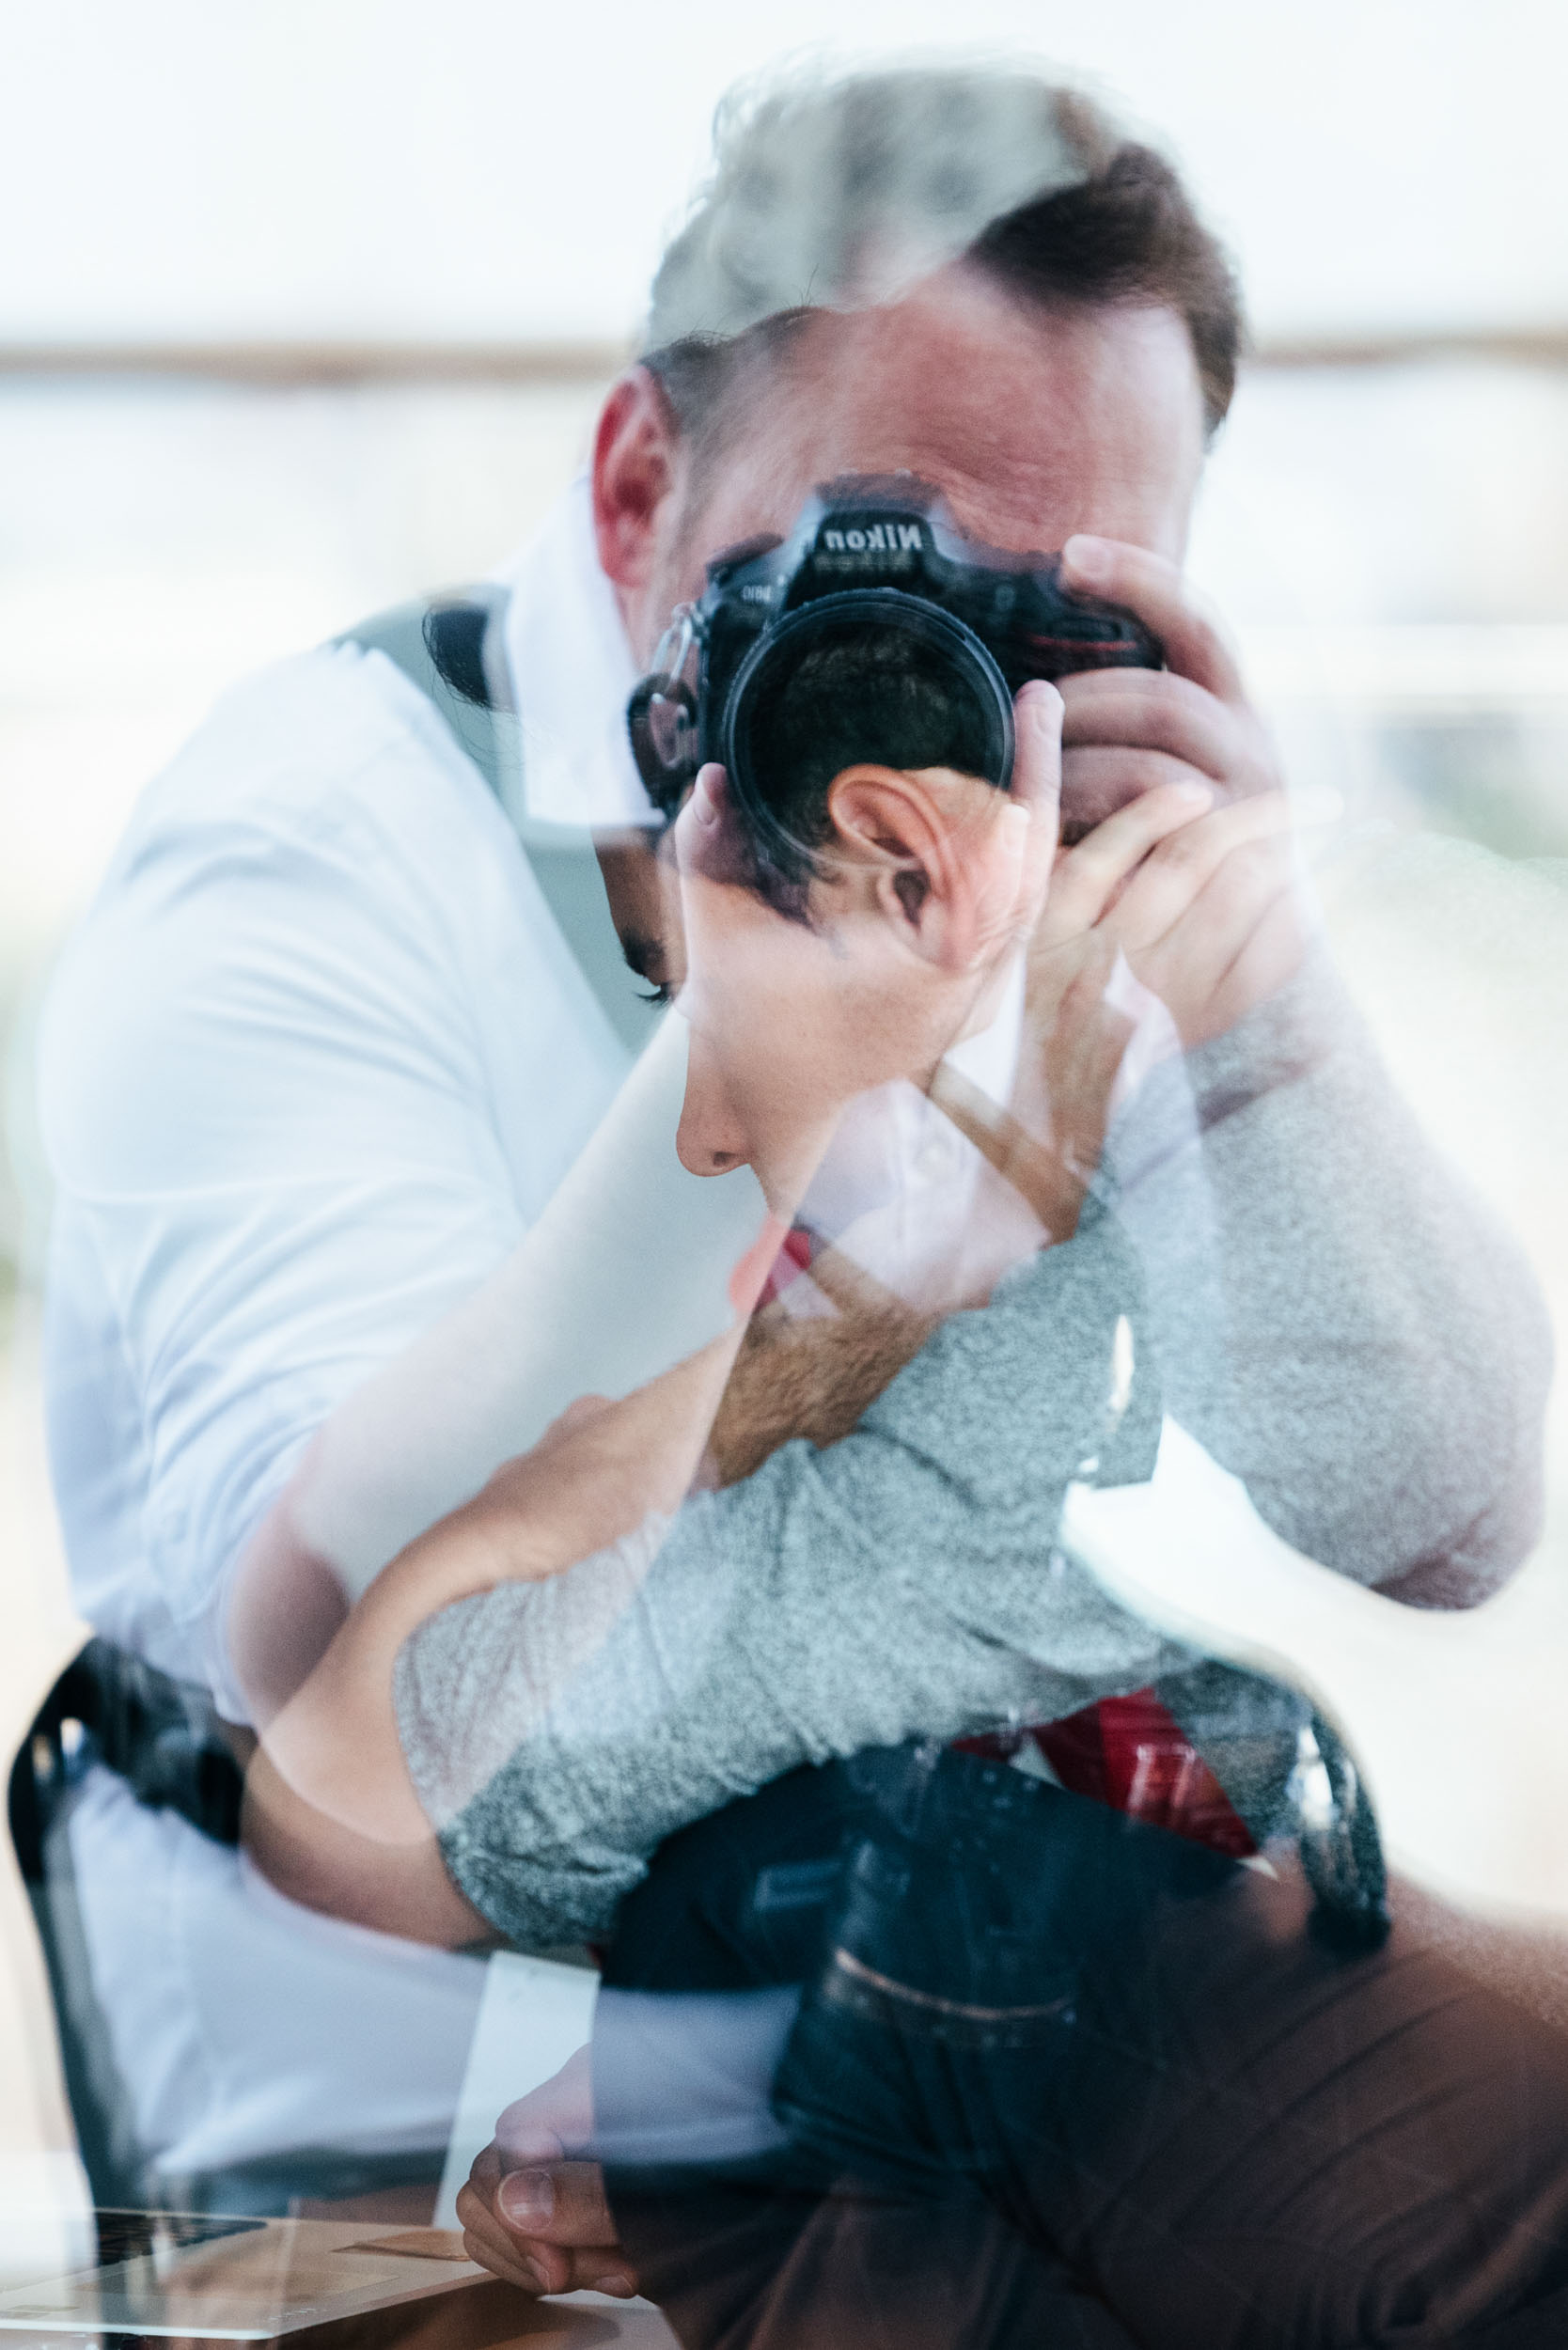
875 576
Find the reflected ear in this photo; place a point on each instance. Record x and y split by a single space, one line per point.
915 858
636 453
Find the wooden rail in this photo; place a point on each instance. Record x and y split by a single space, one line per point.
334 362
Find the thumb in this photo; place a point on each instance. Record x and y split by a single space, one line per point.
1036 791
558 2114
563 2204
701 827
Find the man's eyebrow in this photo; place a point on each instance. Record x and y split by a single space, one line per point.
642 954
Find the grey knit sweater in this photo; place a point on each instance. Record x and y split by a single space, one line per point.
1312 1294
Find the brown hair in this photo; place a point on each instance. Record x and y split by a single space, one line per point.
1127 231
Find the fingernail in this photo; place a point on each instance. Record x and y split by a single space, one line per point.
538 2274
1089 558
527 2196
613 2281
1195 794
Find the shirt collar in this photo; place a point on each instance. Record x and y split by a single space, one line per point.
572 672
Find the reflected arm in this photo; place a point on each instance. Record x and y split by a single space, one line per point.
1339 1320
331 1816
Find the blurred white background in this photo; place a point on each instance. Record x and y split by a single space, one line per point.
307 306
199 169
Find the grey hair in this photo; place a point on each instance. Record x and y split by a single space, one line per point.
842 192
835 192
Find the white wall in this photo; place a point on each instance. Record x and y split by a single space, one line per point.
458 168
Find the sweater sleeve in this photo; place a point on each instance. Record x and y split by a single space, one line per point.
1339 1320
1330 1313
902 1583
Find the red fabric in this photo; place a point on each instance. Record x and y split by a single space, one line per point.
1129 1752
794 1257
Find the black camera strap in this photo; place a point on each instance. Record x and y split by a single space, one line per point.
162 1735
453 650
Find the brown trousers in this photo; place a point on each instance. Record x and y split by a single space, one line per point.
1233 2139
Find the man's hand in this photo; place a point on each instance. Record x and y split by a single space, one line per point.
1207 907
594 1476
1126 731
533 2216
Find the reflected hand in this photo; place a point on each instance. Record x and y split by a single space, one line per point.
594 1476
1203 902
531 2214
1126 731
1072 1041
1207 908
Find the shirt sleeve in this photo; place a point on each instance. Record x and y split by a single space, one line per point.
270 1106
900 1583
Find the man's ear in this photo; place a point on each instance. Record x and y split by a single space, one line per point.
922 861
637 451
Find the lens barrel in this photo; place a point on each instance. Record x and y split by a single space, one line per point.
844 619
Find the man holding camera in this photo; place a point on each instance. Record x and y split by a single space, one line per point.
318 1060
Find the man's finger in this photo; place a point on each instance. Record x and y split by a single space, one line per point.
700 826
575 2272
1241 938
1037 759
1192 957
1167 885
551 2233
1037 791
1155 590
563 2202
1151 712
541 2267
487 2242
1097 781
1087 877
1083 1055
511 2269
1270 957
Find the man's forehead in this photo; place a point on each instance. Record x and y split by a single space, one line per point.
1030 420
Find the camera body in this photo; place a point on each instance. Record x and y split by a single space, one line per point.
867 549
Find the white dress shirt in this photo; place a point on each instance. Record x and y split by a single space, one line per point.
315 1059
311 1065
314 1063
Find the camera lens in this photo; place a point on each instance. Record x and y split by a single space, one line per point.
867 675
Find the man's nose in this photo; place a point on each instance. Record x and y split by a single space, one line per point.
709 1139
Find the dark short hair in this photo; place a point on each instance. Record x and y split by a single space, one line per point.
1128 233
874 694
